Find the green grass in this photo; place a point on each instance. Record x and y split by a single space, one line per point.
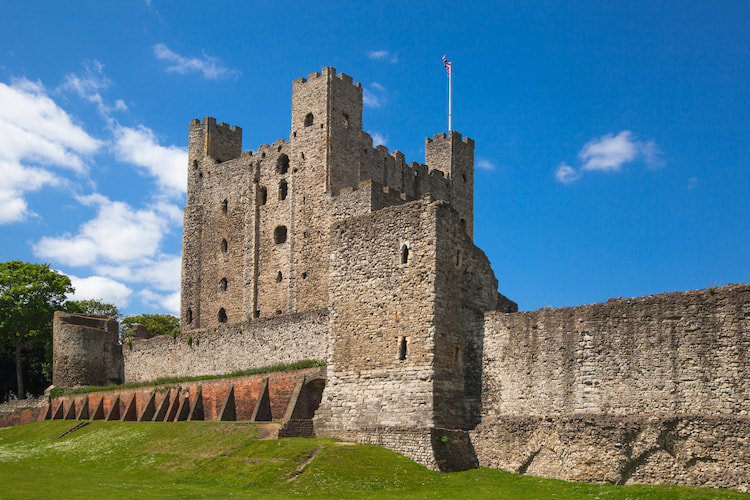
299 365
110 460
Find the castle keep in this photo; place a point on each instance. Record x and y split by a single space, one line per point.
325 247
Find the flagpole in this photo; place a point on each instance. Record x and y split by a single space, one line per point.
450 97
449 69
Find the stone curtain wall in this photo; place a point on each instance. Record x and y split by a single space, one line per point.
682 352
229 348
650 389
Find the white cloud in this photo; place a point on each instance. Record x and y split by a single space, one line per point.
485 164
566 174
118 234
378 139
168 164
383 55
207 65
375 96
170 302
609 153
35 134
88 85
100 287
162 273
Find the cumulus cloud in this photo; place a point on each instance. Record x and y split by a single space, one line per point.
383 55
609 153
207 65
118 234
161 272
139 146
100 287
35 136
170 302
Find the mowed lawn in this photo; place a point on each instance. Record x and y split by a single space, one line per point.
132 460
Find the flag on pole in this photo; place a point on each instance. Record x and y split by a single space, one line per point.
447 65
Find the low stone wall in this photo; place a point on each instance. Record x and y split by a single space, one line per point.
695 450
229 348
265 396
23 411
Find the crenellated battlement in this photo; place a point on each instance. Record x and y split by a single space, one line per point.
327 71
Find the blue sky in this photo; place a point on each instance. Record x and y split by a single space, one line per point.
612 145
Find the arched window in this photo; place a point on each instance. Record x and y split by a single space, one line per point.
189 316
309 119
279 234
279 277
223 284
283 189
225 206
222 315
262 195
404 254
282 164
224 245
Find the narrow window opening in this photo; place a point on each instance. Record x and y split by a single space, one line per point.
225 206
345 120
456 354
303 155
195 163
278 149
402 348
222 315
189 316
200 175
309 119
282 164
256 314
279 234
223 284
278 312
279 277
224 245
263 154
463 178
404 254
294 134
463 223
458 257
283 189
304 276
262 195
321 125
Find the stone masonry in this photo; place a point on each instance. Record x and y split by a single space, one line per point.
321 246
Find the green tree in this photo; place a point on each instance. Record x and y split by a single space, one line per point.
157 324
29 296
92 307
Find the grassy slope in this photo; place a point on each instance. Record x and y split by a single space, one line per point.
217 460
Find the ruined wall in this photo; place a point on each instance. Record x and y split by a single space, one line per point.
85 351
649 389
228 348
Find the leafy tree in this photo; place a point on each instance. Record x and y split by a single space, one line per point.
157 324
92 307
29 296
